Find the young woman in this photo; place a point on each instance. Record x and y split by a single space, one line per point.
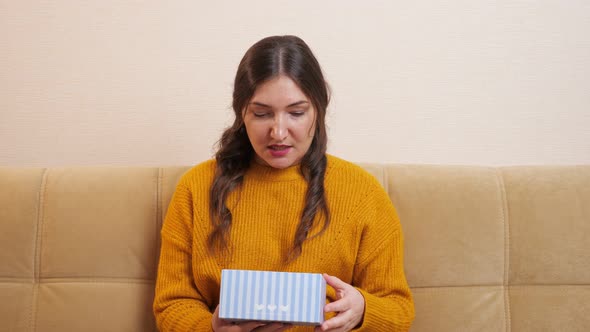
272 199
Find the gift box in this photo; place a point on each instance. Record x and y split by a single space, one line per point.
296 298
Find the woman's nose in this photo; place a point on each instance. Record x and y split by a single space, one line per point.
279 129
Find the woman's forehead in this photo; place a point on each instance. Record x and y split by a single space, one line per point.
280 91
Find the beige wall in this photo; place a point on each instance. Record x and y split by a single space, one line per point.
149 82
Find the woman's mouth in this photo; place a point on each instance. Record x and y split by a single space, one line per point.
279 150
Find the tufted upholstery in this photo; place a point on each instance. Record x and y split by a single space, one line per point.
487 249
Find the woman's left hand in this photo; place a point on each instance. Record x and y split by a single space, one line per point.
350 306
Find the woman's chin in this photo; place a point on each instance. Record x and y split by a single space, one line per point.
278 163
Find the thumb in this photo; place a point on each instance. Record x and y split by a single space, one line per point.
335 282
249 326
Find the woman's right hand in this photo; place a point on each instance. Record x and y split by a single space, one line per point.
221 325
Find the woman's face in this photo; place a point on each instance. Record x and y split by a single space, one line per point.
280 122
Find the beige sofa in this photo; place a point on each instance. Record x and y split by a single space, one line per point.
487 249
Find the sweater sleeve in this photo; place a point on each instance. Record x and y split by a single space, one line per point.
178 306
379 272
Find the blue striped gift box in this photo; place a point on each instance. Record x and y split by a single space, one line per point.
296 298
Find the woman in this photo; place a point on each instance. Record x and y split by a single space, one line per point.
274 200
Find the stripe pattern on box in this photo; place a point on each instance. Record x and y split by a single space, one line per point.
296 298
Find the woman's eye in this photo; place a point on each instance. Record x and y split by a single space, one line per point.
297 113
260 114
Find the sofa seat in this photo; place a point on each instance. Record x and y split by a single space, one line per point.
486 248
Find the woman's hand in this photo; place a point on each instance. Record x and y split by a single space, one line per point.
221 325
350 306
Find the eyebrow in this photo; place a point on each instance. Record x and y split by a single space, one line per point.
297 103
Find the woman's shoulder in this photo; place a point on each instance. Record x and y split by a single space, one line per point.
201 173
341 170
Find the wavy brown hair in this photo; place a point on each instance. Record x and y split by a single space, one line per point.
269 58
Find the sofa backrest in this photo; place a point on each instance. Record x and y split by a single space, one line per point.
486 249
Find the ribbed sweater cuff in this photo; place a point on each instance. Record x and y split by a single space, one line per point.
188 320
385 314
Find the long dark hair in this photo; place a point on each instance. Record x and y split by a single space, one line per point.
269 58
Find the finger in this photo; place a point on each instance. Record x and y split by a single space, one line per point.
286 326
338 306
249 326
334 323
216 314
273 327
335 282
217 322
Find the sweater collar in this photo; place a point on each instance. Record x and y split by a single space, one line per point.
268 173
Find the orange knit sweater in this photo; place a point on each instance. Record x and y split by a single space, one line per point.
363 245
